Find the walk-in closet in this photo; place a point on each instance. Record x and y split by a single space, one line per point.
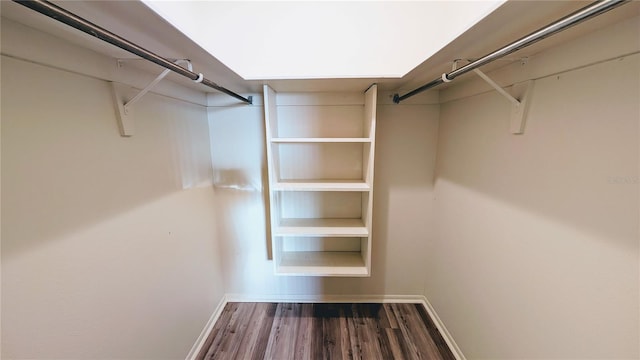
320 180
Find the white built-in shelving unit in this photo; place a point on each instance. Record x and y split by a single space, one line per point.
320 154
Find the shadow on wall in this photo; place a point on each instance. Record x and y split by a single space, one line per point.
546 221
406 140
100 243
577 161
403 201
64 165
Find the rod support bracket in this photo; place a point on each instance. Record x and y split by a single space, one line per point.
125 123
520 101
519 113
454 66
497 87
123 106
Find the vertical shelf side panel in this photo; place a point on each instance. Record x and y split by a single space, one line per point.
370 107
370 104
271 122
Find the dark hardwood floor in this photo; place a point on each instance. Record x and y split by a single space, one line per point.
296 331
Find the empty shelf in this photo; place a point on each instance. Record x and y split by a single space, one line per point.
320 140
322 263
322 227
321 185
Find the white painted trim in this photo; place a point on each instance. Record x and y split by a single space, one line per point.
383 299
446 335
207 329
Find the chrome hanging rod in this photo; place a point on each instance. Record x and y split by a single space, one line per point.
55 12
583 14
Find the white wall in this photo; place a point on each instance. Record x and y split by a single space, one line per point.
403 197
536 247
108 243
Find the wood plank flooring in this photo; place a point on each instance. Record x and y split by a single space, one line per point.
294 331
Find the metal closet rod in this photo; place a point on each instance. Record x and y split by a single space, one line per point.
583 14
55 12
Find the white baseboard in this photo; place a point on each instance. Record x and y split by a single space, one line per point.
207 329
411 299
326 298
443 330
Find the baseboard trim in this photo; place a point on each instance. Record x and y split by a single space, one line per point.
195 350
326 298
455 349
411 299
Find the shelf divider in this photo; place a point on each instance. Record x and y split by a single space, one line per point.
322 227
321 185
320 140
322 263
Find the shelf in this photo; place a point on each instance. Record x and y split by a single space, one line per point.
321 227
322 263
320 158
321 140
321 185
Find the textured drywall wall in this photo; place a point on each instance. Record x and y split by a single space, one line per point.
108 243
535 252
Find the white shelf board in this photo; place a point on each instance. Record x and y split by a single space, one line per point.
321 185
322 263
322 227
321 140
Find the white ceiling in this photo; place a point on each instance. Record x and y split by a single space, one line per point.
319 39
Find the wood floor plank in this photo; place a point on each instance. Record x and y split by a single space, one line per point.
379 323
228 346
283 331
354 338
303 347
292 331
222 319
317 337
227 318
421 332
368 342
412 349
418 336
371 320
383 342
398 345
332 340
391 317
435 334
265 332
274 335
346 350
250 340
